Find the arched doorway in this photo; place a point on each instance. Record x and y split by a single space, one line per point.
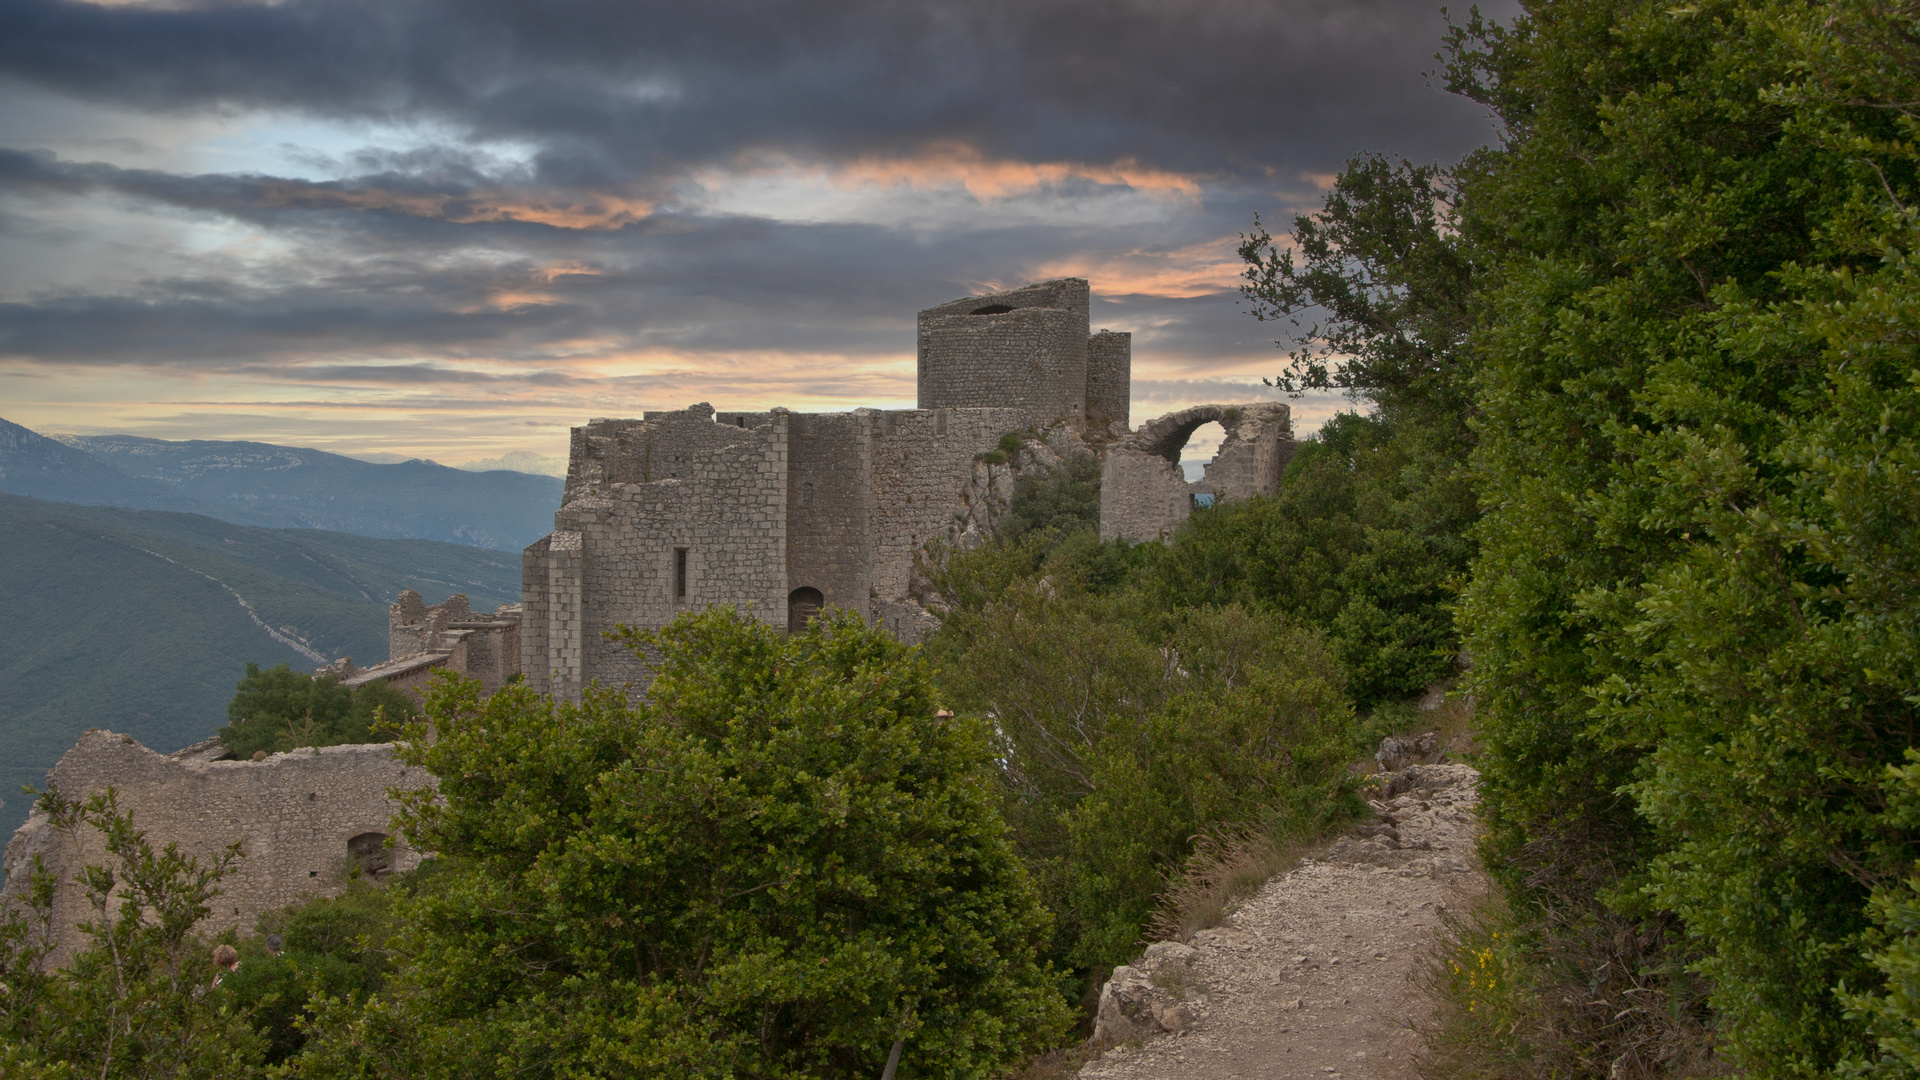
369 852
803 604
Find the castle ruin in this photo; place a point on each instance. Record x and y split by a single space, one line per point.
449 636
783 513
780 513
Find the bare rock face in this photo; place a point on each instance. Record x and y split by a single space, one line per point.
1148 997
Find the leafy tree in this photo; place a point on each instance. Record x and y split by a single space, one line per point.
333 948
780 864
134 1003
1388 284
279 709
1365 541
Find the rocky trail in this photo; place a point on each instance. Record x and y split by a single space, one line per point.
1310 977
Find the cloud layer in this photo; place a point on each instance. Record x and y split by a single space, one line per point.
454 229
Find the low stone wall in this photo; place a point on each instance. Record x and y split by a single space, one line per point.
295 815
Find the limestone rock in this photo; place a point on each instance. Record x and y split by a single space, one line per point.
1146 998
1397 753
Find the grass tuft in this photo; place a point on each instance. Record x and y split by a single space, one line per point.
1223 870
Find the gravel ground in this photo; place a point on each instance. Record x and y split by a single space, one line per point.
1311 977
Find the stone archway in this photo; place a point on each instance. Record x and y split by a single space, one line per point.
1144 495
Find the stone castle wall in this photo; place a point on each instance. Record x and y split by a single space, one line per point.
293 813
829 508
709 528
1033 359
922 461
1109 379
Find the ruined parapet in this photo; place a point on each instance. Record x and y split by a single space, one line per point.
307 820
1143 494
1109 379
661 445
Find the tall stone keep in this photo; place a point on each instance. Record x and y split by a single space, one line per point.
1027 349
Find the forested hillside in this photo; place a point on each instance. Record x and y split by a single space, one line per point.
133 620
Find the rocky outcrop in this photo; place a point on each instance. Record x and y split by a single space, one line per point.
1149 996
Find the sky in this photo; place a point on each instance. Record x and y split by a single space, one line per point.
455 230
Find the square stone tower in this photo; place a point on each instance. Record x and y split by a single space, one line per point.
1027 348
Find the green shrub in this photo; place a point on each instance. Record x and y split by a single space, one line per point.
1064 499
280 709
777 866
331 947
1692 617
1126 732
134 1002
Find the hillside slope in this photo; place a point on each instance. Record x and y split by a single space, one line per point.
289 487
142 621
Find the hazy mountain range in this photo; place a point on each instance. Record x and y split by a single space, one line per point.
250 483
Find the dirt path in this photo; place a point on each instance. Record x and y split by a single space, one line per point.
1309 978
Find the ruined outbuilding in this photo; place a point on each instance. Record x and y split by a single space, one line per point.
449 636
306 820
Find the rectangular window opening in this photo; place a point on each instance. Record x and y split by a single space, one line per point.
679 575
1202 500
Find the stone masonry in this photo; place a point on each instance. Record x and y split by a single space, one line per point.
306 820
1143 494
783 513
448 636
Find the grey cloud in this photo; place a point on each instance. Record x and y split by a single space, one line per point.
607 90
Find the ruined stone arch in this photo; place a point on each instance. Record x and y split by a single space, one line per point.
1143 493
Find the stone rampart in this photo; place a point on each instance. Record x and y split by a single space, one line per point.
297 816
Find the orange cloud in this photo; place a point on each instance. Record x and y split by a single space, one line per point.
591 212
1195 270
947 163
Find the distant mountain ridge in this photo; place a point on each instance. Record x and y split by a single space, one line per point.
38 467
262 484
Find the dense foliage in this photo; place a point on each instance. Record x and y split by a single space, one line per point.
138 1002
780 864
1692 617
1127 728
279 709
1365 542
